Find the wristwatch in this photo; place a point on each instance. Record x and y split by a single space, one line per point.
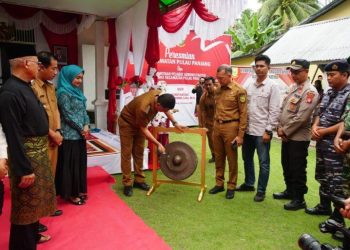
269 132
59 131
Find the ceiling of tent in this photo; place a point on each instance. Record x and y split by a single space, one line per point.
103 8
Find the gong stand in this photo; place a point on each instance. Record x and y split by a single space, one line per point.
157 182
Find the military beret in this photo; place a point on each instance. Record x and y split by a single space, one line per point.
22 52
338 65
297 64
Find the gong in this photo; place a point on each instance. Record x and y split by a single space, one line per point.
179 162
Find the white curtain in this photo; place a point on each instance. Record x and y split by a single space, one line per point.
139 35
227 11
123 31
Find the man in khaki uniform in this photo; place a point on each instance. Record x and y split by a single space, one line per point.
207 108
295 130
230 122
133 122
46 93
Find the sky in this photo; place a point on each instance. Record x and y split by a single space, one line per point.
254 5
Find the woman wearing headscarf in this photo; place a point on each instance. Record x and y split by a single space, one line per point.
72 157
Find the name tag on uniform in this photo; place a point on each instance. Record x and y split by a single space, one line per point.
293 103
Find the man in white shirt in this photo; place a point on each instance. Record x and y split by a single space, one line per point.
3 165
263 111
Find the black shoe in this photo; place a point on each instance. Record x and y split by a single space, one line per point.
57 213
295 205
144 186
328 225
216 190
259 197
230 193
282 195
318 210
128 191
42 228
212 160
244 187
338 235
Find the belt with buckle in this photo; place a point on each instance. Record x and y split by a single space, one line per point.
227 121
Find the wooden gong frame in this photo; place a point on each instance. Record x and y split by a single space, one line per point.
157 182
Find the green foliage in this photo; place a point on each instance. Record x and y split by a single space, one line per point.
291 12
217 223
254 30
248 34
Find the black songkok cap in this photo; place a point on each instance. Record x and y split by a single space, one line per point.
20 52
338 65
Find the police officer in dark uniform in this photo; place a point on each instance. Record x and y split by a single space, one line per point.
329 164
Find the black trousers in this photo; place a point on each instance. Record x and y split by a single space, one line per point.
294 154
24 237
1 196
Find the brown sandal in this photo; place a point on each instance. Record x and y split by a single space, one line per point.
44 238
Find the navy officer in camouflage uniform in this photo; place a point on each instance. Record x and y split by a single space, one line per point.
294 128
329 164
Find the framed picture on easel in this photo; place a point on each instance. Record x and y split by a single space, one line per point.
61 53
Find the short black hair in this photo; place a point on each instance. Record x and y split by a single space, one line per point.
318 85
264 58
166 101
210 78
45 58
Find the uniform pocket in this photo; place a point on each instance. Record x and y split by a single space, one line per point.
262 100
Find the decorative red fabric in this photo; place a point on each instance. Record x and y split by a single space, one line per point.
62 17
175 19
69 40
23 12
153 22
19 12
112 63
152 52
203 12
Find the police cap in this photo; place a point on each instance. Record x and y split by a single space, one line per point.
297 64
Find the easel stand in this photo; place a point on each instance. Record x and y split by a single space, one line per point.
156 182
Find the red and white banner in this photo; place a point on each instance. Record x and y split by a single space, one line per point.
183 65
243 74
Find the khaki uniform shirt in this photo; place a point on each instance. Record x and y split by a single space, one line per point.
231 104
46 93
207 109
141 110
296 112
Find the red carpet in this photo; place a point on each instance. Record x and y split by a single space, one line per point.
105 222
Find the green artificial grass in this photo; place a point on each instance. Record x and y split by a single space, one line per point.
217 223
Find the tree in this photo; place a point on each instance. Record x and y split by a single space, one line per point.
291 12
249 34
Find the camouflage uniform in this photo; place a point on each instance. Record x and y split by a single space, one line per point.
346 165
329 164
